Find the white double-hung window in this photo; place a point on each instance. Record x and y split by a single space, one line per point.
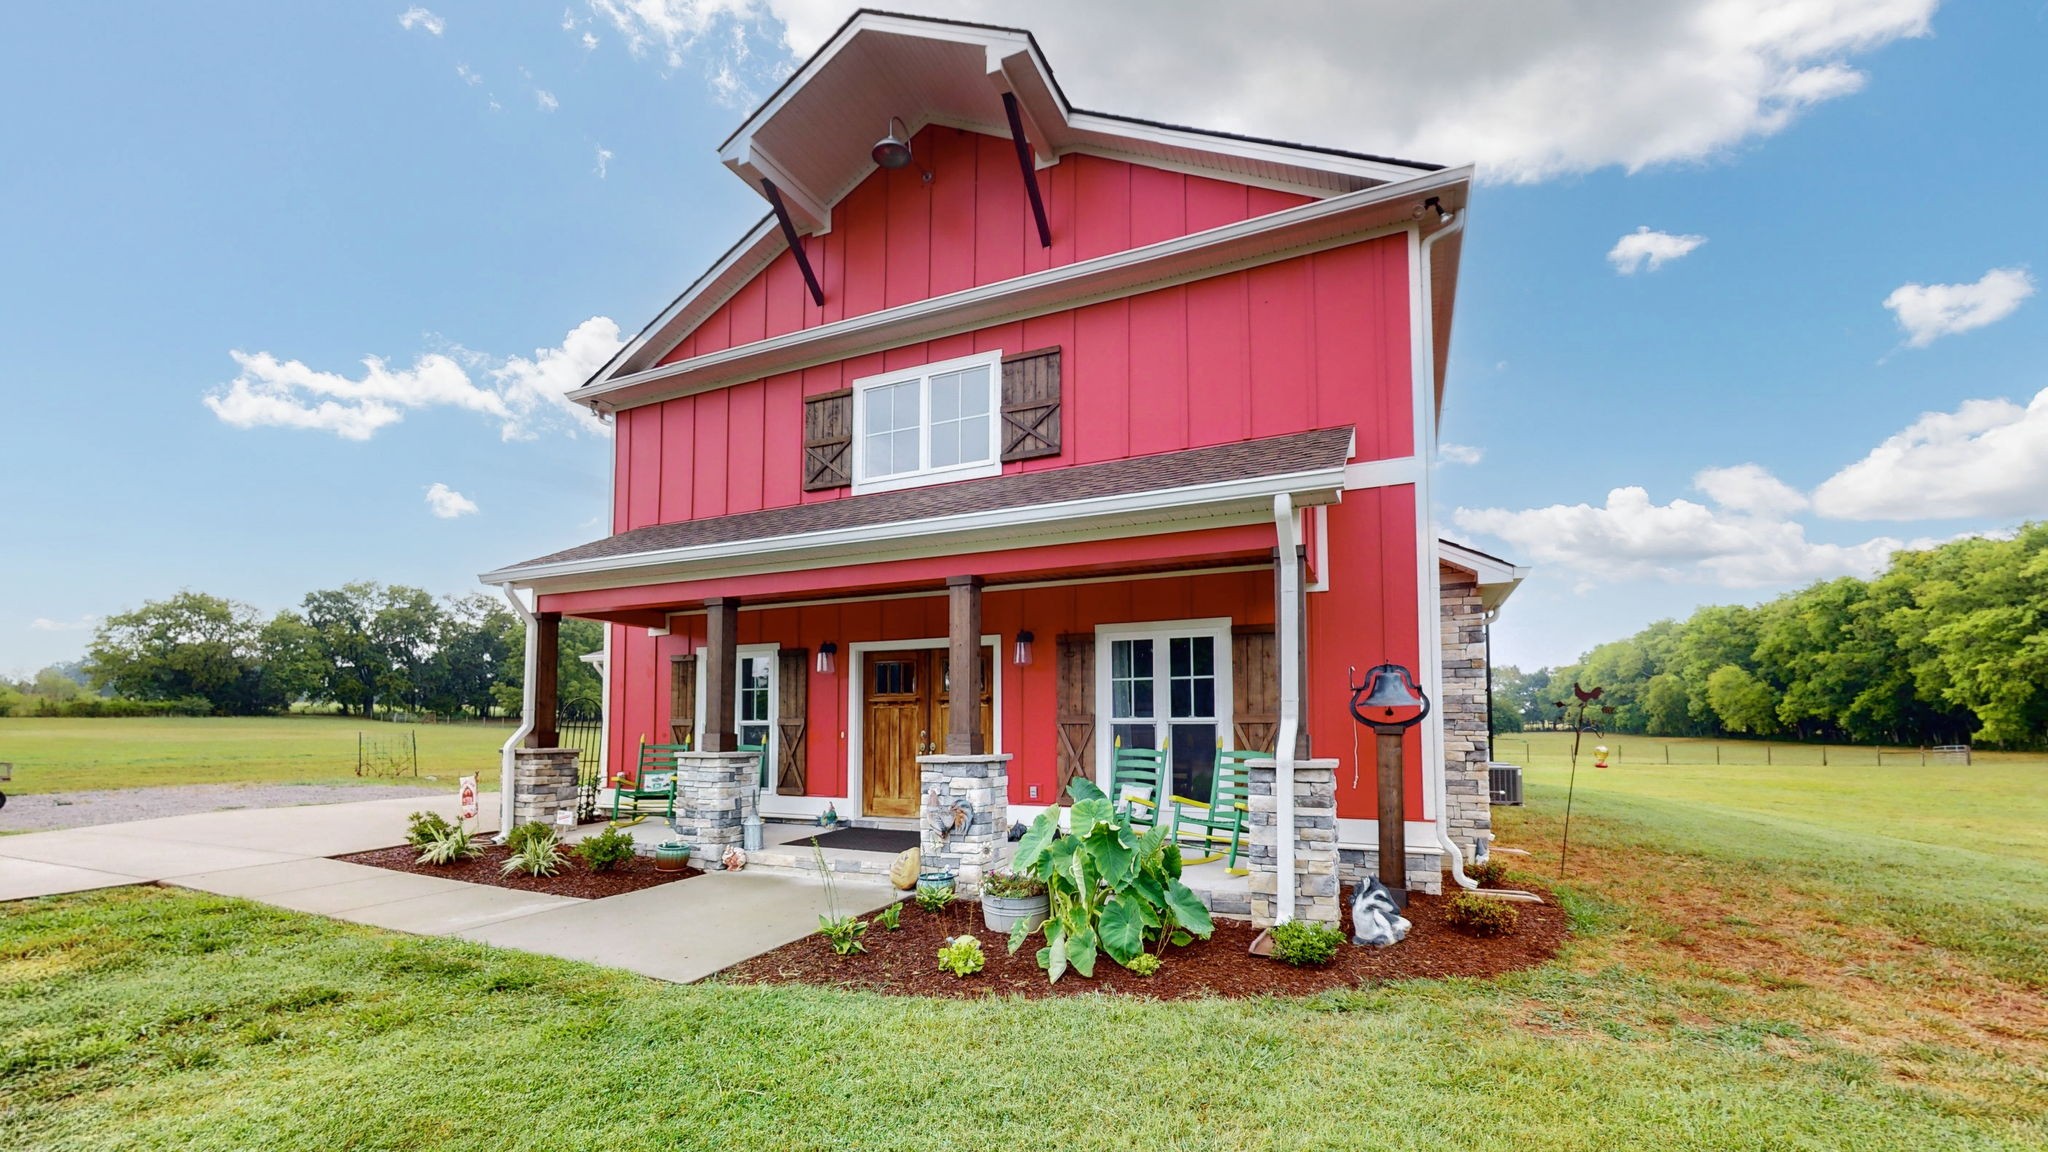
927 424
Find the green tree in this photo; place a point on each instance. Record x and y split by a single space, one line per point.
482 647
1665 707
1743 702
189 645
351 661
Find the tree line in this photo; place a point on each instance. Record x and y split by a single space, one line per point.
1947 645
362 648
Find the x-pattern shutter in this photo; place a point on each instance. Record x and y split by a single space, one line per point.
828 440
793 681
1076 710
682 699
1255 689
1031 404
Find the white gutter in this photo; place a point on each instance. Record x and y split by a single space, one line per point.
1432 583
1289 617
525 728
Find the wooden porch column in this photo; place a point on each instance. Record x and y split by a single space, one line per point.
964 736
1301 610
721 671
547 635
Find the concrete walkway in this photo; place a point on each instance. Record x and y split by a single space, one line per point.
682 931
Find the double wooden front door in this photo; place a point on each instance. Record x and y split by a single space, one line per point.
904 717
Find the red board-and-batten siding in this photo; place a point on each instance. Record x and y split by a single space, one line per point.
1312 341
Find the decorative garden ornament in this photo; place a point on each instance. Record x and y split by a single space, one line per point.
1374 918
735 858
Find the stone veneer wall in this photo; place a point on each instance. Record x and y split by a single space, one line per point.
715 793
543 783
1315 846
981 786
1467 744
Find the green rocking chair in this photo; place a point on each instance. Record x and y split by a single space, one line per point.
1138 778
654 786
1218 825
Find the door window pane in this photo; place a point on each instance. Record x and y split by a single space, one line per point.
1130 680
1192 663
1194 760
754 707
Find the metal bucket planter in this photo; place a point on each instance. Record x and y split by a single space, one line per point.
673 856
1002 913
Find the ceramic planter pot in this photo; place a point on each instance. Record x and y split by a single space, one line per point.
931 881
1002 913
673 856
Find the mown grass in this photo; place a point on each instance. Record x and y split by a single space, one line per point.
1738 981
62 755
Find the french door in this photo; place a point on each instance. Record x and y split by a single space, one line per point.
1168 687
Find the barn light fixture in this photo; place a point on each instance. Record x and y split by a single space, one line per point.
893 151
826 652
1022 653
1433 204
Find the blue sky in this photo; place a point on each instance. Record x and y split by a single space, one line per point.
480 195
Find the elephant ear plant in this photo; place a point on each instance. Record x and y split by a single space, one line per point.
1113 890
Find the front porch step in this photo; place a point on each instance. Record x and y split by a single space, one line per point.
799 860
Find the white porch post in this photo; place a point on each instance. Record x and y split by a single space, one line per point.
1288 616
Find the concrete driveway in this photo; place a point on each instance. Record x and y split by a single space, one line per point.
682 931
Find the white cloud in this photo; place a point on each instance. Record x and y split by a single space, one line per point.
546 100
1632 538
1643 248
604 160
447 503
1987 458
1927 312
589 42
1531 89
522 395
468 74
425 21
1749 488
1459 453
45 624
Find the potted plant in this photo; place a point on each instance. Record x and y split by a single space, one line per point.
1008 899
671 856
931 886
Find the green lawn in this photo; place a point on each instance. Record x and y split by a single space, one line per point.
1745 976
59 755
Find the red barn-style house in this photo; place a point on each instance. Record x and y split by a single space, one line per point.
1023 435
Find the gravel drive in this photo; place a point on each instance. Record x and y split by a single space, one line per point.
50 810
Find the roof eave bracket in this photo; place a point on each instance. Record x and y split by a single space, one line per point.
796 243
1027 167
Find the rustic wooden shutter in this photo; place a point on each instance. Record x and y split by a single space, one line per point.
828 440
1254 688
1076 712
1031 404
792 715
682 700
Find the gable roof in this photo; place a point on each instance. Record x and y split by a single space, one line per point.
1497 578
813 134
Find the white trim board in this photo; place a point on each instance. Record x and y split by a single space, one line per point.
1217 628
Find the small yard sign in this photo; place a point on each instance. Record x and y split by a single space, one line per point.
467 797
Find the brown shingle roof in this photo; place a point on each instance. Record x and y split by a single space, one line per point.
1247 459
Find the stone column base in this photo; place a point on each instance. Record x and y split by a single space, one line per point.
1425 869
543 784
969 845
1315 842
715 793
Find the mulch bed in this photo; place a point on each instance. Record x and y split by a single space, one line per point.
905 962
572 880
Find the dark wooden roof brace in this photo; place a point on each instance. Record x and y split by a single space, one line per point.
1023 163
796 244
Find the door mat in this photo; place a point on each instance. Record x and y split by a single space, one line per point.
890 840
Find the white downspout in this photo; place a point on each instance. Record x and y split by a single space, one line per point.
1289 617
1432 584
505 785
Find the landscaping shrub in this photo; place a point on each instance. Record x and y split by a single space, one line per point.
521 834
449 844
1143 964
423 828
1480 916
934 899
1112 890
890 918
106 707
843 933
1010 885
606 850
1306 944
1488 873
538 854
962 956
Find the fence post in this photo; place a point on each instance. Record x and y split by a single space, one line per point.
415 753
1717 755
1823 755
1767 754
359 752
1667 754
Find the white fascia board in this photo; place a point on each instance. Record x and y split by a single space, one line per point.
1255 150
1497 578
755 251
1291 232
1167 505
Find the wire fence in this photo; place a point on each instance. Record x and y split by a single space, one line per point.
579 724
1744 752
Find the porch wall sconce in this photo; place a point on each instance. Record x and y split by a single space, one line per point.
893 151
1388 687
1022 653
826 652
